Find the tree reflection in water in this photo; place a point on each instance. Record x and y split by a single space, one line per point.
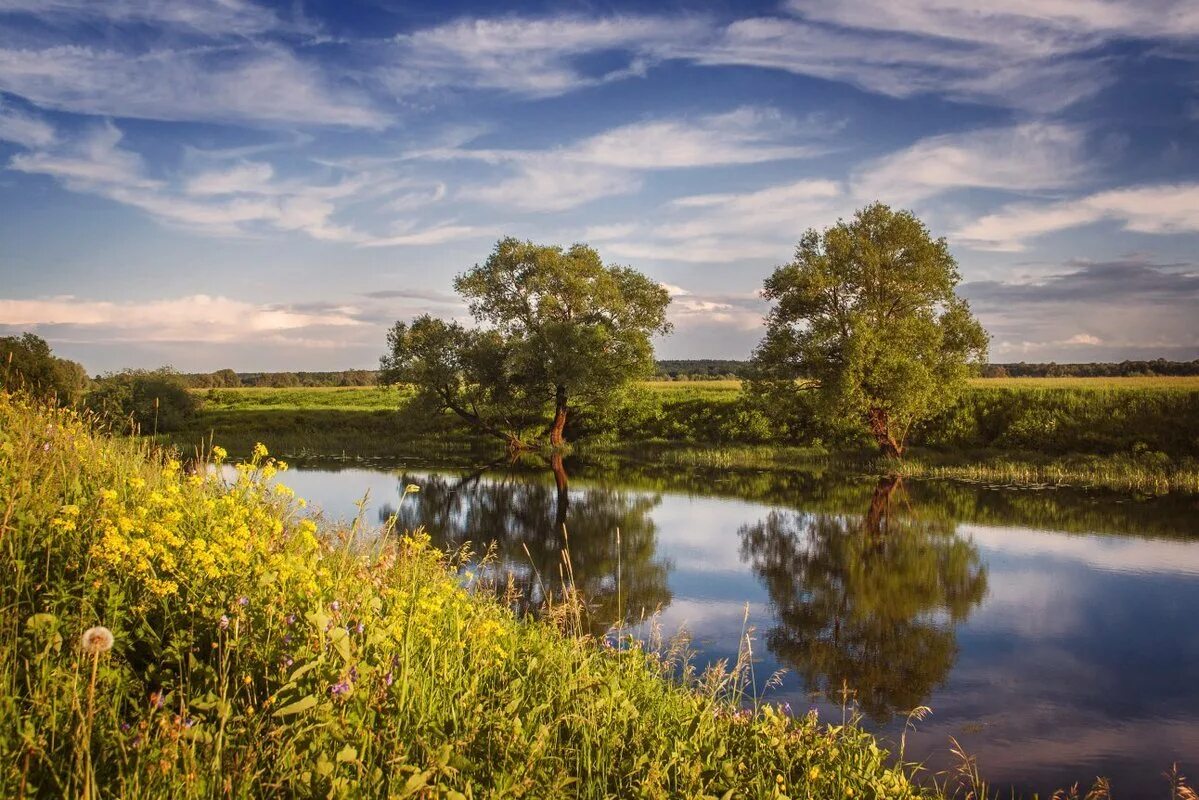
867 602
512 510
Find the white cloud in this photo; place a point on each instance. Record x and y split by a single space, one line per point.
527 56
608 163
554 185
1030 156
240 178
1157 209
244 199
213 17
24 129
256 84
747 135
1035 27
1083 338
197 318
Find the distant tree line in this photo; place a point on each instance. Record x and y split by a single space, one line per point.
700 369
1124 369
228 379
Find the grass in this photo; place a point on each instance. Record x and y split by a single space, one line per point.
255 654
1128 434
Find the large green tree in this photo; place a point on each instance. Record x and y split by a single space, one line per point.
578 329
558 327
867 316
466 371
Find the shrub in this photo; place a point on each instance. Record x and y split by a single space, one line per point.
148 401
27 363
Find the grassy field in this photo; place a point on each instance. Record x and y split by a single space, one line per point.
165 634
1131 434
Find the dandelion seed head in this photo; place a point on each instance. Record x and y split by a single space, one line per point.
96 640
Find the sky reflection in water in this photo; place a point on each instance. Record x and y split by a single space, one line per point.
1054 635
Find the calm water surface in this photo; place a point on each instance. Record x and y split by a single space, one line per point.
1054 634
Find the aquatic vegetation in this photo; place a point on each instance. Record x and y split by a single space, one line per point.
247 651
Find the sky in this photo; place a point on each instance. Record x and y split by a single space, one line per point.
227 183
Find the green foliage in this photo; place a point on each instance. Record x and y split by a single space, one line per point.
257 655
867 314
27 363
575 329
472 373
149 401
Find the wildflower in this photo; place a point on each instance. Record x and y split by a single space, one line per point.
156 700
360 627
341 688
411 488
96 640
46 447
260 450
223 622
219 453
813 773
388 679
335 605
243 601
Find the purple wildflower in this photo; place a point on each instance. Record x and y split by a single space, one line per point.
243 601
340 689
360 628
335 605
291 619
388 679
223 622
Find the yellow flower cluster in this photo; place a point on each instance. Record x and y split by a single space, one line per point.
194 531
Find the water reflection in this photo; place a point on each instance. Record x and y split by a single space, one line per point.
1053 632
867 603
530 520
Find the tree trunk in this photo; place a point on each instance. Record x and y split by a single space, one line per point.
560 481
880 505
559 425
880 428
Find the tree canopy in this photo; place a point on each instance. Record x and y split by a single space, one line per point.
26 362
867 315
557 326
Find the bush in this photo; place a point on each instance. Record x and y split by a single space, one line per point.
147 401
27 363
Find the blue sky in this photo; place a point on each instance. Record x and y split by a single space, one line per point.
220 183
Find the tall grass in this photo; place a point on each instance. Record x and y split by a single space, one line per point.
255 654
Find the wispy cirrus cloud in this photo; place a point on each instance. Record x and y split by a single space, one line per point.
611 162
242 199
530 56
1031 156
27 130
210 17
1155 209
250 83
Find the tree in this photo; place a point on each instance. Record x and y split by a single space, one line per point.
468 372
225 378
26 362
150 401
867 316
576 329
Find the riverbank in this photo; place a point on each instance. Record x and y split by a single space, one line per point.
255 653
1128 435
